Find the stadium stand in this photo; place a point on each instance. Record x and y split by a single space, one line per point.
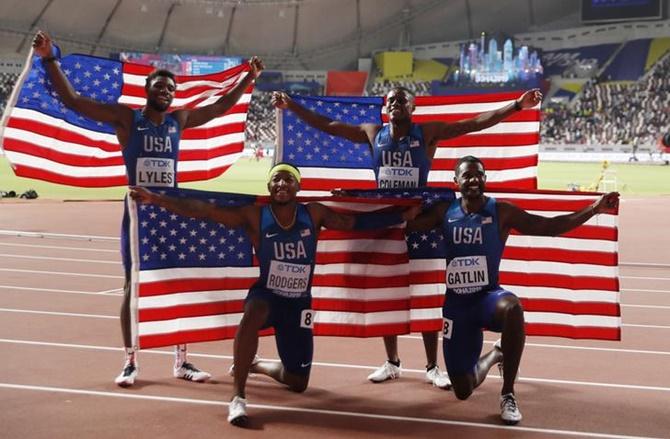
7 81
613 112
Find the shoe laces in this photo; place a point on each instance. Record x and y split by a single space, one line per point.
190 367
508 402
128 369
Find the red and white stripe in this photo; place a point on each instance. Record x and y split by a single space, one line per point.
508 149
568 285
46 148
359 288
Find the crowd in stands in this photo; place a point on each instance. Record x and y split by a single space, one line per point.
613 113
7 81
419 88
261 118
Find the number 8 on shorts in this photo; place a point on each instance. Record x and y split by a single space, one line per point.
307 318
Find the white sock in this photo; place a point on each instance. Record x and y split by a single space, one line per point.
131 355
179 355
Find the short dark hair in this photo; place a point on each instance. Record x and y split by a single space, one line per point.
159 72
405 90
467 159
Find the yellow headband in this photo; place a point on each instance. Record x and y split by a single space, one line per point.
284 167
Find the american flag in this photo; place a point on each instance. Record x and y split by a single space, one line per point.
189 277
509 149
43 139
568 285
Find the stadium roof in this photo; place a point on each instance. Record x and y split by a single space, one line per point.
289 34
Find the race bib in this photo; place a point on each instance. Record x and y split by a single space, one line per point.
287 279
398 177
154 171
467 274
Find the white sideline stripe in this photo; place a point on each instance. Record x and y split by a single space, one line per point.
53 290
644 277
63 273
51 258
59 247
340 365
320 411
54 313
579 348
623 305
110 292
646 326
58 235
644 264
642 290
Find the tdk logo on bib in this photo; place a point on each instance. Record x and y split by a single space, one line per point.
467 274
155 171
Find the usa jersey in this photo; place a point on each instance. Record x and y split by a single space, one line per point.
402 163
152 152
287 257
473 248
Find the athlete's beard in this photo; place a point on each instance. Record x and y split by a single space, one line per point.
155 105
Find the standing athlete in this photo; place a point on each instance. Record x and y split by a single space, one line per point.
149 139
475 229
402 152
284 235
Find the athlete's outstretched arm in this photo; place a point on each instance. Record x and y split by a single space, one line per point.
228 216
429 218
115 114
356 133
434 131
513 217
202 115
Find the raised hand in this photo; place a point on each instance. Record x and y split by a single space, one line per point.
42 44
256 65
280 99
530 99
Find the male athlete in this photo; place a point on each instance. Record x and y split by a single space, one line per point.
475 229
402 152
284 235
149 139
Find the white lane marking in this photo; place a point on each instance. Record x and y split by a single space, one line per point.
338 365
60 247
643 264
49 290
623 305
54 313
645 326
112 292
642 290
284 408
52 258
63 273
579 348
644 277
57 235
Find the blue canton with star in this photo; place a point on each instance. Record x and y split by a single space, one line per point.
307 146
168 240
97 78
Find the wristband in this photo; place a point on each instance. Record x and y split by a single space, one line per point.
372 221
517 105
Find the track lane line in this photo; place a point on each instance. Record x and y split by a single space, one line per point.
343 366
544 431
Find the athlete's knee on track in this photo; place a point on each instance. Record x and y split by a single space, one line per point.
462 386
